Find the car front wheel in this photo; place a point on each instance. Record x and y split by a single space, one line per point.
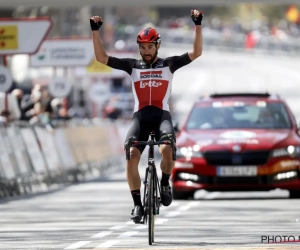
294 194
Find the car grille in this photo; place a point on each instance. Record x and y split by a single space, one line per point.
227 158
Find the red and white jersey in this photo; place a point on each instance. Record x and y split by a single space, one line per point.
151 83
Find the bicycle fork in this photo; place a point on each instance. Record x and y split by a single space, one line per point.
157 199
156 192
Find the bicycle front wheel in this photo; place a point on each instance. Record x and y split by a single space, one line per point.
151 207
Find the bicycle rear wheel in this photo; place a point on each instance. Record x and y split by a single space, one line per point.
151 207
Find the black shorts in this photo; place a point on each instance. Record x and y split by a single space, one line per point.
149 119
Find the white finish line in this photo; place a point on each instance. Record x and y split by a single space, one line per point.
127 234
78 245
118 227
108 243
102 234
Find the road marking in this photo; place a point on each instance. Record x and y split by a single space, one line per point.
78 245
184 208
160 221
118 227
193 203
127 234
172 214
102 234
107 244
141 227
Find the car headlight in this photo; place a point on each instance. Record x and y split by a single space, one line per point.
189 152
293 151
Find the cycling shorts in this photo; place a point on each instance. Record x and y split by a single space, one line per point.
147 119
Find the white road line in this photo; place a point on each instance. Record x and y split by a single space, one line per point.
129 222
141 227
183 208
107 244
193 203
78 245
172 214
117 227
127 234
160 221
102 234
187 206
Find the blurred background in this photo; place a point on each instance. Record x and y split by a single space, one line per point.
247 27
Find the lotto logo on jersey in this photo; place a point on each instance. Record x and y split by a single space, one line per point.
143 84
151 74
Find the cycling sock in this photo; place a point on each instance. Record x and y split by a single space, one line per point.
136 195
165 179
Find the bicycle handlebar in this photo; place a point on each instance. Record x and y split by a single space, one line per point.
150 143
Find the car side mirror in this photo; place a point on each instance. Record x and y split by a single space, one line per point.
176 126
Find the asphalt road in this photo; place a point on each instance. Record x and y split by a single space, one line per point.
95 215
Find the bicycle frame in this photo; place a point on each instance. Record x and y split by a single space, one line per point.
152 193
152 169
152 189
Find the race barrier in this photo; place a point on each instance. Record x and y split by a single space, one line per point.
34 159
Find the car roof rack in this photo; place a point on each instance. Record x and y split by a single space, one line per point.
216 95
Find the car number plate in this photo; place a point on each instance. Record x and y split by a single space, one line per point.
237 171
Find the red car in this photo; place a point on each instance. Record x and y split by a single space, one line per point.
238 142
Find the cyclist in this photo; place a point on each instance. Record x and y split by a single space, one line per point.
152 83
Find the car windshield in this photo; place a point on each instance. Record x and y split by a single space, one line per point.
257 115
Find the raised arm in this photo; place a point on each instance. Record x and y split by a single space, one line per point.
197 45
99 50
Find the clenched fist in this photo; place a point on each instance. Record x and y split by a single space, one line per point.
96 22
196 16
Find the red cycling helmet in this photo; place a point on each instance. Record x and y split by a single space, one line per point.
148 35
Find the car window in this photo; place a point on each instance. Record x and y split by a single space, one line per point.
218 115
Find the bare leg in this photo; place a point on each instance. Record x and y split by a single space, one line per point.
132 172
167 163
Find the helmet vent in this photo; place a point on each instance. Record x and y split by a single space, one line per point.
146 32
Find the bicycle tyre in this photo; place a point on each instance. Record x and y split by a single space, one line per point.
150 208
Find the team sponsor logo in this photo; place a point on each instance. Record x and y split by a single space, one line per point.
238 134
229 141
151 74
143 84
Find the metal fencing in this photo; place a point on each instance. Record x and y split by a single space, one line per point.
33 159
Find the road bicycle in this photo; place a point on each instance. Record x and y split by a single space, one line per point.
152 190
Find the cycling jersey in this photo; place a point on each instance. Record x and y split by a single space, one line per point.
151 83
